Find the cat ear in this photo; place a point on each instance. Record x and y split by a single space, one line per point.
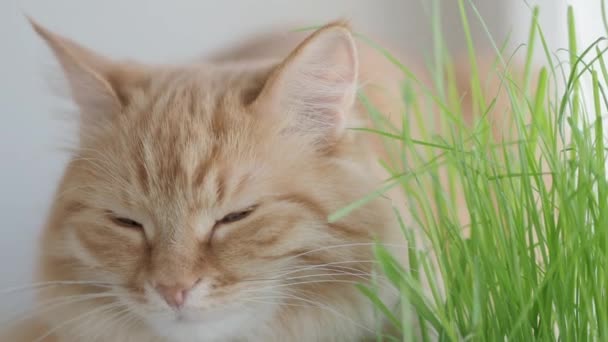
97 84
316 84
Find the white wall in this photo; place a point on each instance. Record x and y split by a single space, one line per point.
31 131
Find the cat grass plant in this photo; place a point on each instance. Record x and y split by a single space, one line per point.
531 263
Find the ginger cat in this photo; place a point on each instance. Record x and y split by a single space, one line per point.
195 206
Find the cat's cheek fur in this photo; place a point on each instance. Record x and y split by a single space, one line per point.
101 239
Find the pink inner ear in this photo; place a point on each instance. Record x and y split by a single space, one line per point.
317 84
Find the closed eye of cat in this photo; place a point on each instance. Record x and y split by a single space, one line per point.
231 218
236 216
124 222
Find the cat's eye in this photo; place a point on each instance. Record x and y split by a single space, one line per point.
236 216
125 222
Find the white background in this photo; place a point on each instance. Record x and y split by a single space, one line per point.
32 131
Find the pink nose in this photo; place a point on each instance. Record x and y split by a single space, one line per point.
175 294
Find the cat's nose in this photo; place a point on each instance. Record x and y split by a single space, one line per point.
175 293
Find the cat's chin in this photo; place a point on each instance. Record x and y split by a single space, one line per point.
216 325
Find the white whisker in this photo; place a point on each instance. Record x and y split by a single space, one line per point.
316 266
36 286
327 308
356 244
300 268
78 318
109 322
55 303
300 283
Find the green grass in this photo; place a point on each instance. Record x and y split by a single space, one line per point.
532 263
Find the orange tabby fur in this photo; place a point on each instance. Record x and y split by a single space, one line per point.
179 147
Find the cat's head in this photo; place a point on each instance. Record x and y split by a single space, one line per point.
198 197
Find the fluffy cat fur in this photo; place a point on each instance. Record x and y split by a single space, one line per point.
138 245
141 243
